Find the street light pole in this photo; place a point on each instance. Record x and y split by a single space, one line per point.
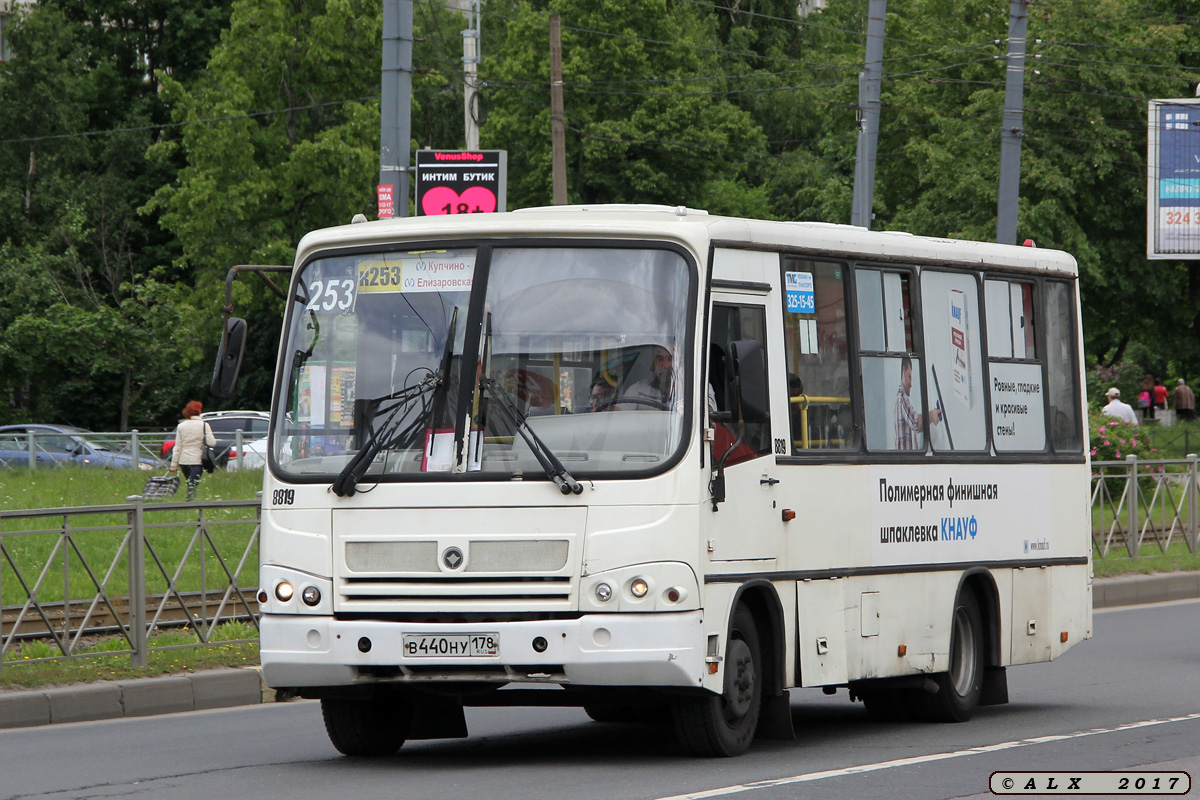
1011 125
395 111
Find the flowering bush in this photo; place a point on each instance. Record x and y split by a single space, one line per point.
1114 439
1125 375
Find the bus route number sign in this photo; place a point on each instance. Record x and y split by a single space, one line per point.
798 288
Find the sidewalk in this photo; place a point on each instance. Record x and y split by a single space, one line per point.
222 688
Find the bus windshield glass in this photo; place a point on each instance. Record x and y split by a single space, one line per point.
486 360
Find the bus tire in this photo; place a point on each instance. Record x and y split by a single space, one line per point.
959 689
374 726
723 725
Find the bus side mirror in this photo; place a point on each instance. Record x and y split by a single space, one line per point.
750 380
229 357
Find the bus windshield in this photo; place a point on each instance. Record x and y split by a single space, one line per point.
473 360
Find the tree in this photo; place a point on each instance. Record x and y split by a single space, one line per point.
282 137
645 114
76 105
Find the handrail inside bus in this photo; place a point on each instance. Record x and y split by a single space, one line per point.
803 400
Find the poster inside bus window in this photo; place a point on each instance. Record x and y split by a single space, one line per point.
961 368
325 402
954 368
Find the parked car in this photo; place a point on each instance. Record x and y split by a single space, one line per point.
60 445
254 455
225 425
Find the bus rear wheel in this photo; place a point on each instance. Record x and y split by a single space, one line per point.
723 725
374 726
959 689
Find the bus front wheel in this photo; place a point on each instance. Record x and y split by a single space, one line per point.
959 689
723 725
376 726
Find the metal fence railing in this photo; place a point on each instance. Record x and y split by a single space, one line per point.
1136 503
120 449
117 573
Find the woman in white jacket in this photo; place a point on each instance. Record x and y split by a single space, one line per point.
190 437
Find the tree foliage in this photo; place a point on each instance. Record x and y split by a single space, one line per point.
148 146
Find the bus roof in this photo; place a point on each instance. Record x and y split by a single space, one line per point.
693 228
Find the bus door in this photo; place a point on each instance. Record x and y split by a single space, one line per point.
747 525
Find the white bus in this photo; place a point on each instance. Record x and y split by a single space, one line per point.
667 465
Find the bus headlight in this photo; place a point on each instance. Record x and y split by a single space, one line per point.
284 591
639 587
603 592
311 595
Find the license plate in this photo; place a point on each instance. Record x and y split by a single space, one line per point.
471 645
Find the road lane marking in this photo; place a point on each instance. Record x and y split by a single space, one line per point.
907 762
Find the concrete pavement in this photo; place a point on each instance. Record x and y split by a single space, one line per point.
222 688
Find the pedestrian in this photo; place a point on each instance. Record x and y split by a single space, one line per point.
1116 408
1185 402
1146 398
1160 396
191 435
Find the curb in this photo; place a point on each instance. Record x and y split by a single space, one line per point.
224 688
1129 590
141 697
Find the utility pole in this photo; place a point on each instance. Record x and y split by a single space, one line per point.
558 125
471 76
1011 124
395 111
870 82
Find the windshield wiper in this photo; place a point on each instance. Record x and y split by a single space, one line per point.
554 468
344 485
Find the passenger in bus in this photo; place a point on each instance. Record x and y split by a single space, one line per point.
910 423
602 393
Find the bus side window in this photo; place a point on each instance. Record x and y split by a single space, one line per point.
1062 368
1016 391
895 414
950 323
731 323
817 356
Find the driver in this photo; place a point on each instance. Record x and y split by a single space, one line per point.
656 390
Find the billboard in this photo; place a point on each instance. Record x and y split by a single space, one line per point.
1173 180
461 181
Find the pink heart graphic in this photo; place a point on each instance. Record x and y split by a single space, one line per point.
439 198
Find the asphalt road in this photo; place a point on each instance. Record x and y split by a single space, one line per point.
1130 697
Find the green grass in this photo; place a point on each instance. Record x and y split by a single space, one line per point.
1175 441
184 547
100 662
82 486
1150 559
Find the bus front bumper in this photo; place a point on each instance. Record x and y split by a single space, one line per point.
594 650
